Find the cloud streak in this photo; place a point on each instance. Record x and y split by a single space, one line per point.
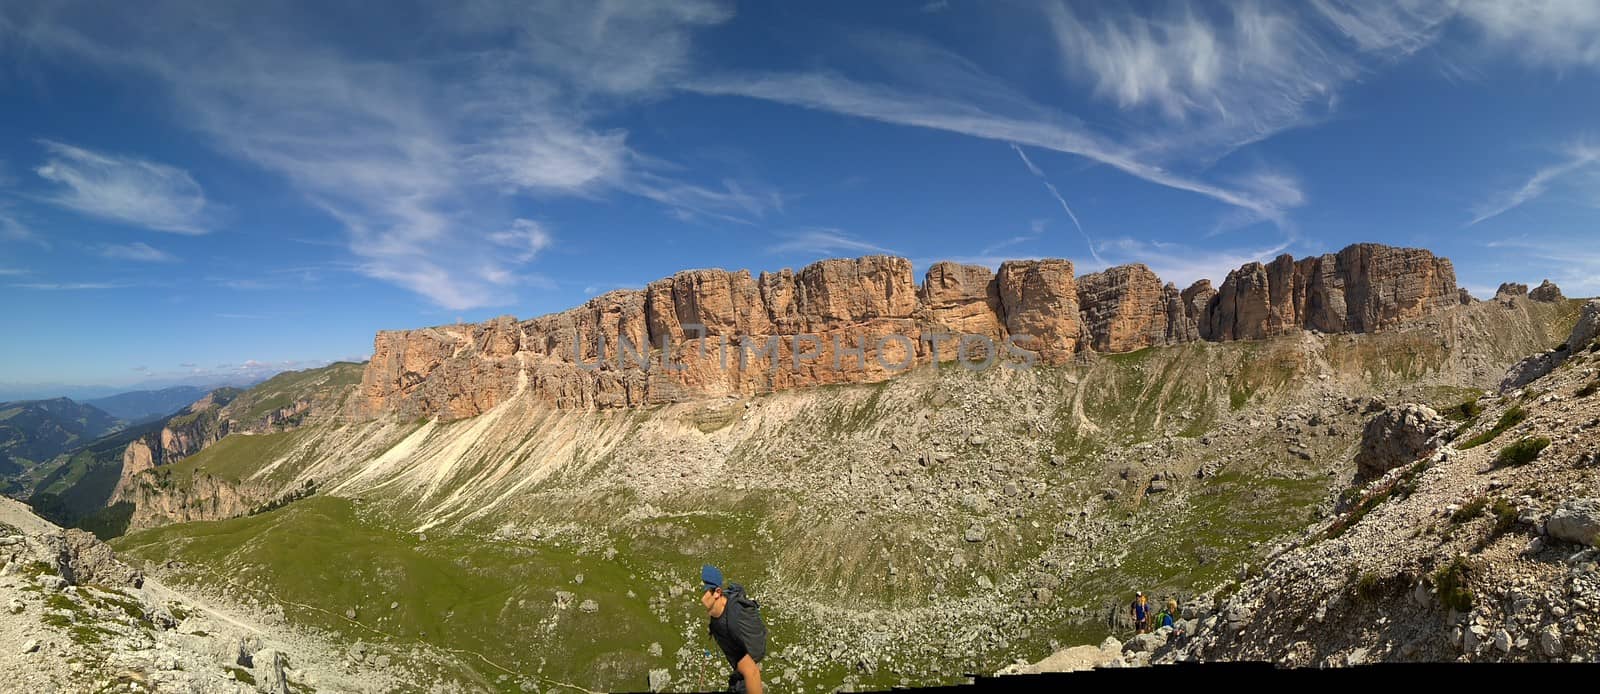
825 242
68 286
137 252
832 93
1057 195
125 190
416 154
1578 157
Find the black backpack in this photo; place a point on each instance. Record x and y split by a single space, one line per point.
745 620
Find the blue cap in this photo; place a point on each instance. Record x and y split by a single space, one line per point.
711 576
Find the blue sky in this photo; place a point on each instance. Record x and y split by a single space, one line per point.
198 191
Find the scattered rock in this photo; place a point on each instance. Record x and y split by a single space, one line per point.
1550 641
30 645
268 670
660 679
589 606
1576 521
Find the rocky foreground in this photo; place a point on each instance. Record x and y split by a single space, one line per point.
77 619
1477 542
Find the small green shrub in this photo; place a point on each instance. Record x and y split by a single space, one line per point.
1505 516
1466 410
1508 419
1454 592
1470 510
1522 452
1590 389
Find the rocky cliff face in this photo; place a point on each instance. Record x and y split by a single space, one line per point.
706 333
197 426
1362 288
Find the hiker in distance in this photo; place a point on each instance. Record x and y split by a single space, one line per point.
737 628
1141 613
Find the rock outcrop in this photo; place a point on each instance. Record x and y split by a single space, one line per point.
1363 288
1587 329
707 333
1583 335
184 434
1125 308
1399 435
1547 292
1510 290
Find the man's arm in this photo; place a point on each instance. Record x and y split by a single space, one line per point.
751 670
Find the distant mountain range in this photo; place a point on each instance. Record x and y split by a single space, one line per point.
35 431
142 405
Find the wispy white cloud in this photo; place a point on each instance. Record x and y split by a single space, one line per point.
525 239
1057 195
825 242
126 190
1577 157
833 93
136 251
1572 263
12 229
11 272
413 153
68 286
1552 33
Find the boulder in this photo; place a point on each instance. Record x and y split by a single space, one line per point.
1531 369
88 560
1398 436
1577 521
660 679
268 671
1144 643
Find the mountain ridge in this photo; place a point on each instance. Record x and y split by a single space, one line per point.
872 304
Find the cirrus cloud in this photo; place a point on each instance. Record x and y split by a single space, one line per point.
123 189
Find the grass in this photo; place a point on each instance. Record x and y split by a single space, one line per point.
242 675
287 388
1505 516
1521 452
1464 412
1452 582
1510 418
235 457
487 597
1470 510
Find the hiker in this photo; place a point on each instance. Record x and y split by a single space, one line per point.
737 628
1141 613
1169 614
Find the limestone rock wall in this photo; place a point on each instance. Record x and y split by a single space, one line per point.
706 333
